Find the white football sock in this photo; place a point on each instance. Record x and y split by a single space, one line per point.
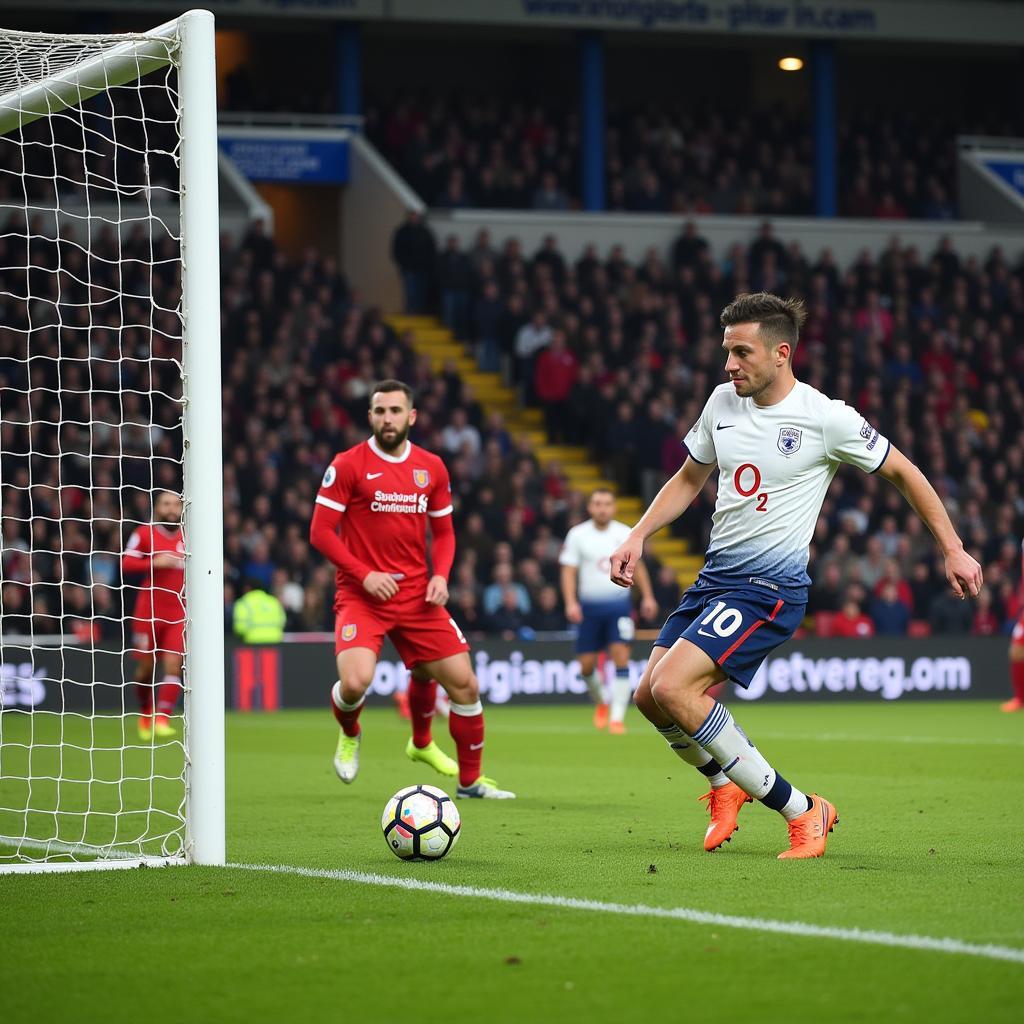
622 691
693 753
339 701
595 684
726 742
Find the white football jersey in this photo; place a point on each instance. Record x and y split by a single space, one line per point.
590 551
775 465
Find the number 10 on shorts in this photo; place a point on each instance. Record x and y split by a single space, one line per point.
724 621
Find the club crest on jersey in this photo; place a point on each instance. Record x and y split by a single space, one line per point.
789 440
421 477
348 631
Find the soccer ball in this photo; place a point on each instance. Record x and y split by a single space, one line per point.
420 823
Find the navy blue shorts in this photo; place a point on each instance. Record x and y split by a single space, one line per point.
604 623
736 626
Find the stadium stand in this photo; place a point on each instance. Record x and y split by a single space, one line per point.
472 151
613 358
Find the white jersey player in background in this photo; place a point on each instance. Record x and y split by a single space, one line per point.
777 444
603 613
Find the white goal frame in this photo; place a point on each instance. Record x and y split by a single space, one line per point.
192 36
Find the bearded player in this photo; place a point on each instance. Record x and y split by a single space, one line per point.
380 495
156 551
777 444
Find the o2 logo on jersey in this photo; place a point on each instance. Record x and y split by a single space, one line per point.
789 440
421 477
329 477
747 481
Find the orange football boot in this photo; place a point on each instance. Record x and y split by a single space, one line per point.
808 832
601 716
1013 704
617 728
724 804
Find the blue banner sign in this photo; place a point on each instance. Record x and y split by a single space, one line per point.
307 156
1009 170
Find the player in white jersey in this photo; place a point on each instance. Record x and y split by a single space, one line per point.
602 611
777 444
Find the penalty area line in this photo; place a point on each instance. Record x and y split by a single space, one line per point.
753 924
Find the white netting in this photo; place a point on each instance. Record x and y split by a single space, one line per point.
91 407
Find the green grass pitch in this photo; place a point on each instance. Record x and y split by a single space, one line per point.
930 797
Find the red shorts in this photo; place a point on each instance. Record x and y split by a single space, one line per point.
420 631
158 636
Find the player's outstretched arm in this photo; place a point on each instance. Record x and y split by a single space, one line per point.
962 571
668 505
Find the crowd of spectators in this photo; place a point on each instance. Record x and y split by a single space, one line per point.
621 357
478 151
92 427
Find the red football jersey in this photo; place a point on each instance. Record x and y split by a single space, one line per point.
161 593
387 501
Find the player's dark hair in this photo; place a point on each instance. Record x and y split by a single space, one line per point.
778 319
601 490
392 385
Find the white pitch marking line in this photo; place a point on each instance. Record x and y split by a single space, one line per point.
838 737
755 924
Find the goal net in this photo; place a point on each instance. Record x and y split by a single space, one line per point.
109 431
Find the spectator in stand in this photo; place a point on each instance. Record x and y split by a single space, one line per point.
547 615
689 249
454 280
413 248
508 618
260 567
555 373
667 591
460 437
530 339
826 593
890 615
949 616
494 594
549 196
851 622
486 327
986 621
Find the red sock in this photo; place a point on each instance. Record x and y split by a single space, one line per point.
347 716
422 701
144 691
1017 677
466 724
167 695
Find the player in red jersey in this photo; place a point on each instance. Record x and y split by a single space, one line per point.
381 494
156 551
1016 702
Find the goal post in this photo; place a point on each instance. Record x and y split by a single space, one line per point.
204 583
109 365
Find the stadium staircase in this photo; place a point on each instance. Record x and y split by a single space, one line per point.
433 339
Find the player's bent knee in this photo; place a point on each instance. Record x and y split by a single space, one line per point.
464 691
353 686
